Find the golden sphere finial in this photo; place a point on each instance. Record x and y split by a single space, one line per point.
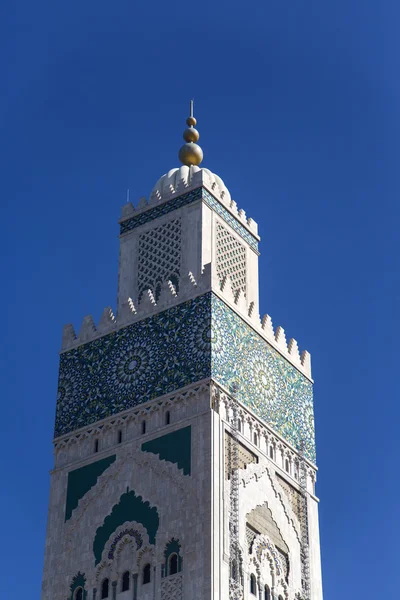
191 153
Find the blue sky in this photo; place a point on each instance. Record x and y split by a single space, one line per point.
298 111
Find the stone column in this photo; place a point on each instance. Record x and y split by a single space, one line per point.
134 579
114 590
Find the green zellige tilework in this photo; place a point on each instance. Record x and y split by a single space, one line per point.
135 364
195 340
267 383
174 203
176 447
81 480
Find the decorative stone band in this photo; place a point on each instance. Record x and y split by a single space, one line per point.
236 219
183 398
169 350
267 436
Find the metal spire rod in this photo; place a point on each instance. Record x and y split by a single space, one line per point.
190 153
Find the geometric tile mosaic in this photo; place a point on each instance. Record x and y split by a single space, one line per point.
195 340
188 198
133 365
275 390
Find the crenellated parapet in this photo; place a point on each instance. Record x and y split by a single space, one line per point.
189 221
88 330
131 311
178 183
174 294
276 337
208 337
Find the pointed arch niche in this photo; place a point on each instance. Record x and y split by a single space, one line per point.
77 587
173 559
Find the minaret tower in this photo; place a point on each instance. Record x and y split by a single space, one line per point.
184 436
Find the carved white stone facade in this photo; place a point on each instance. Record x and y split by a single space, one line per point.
125 465
171 588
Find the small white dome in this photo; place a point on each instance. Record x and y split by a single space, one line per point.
169 182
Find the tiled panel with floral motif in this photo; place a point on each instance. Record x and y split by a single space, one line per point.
133 365
192 341
267 383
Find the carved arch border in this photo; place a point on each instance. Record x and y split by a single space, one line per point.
138 478
256 472
108 567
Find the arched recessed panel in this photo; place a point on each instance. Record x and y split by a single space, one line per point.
260 520
129 508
